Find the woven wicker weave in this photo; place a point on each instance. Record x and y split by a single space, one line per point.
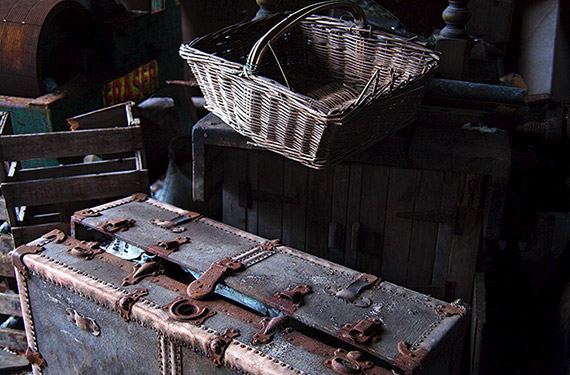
316 92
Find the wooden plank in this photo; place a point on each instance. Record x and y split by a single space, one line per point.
6 243
424 233
6 268
449 196
270 180
338 231
319 203
467 240
398 231
235 162
353 215
109 117
70 189
5 128
295 181
372 218
13 338
252 181
478 320
68 170
67 144
10 304
23 235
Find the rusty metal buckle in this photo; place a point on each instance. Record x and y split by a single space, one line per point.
289 301
184 310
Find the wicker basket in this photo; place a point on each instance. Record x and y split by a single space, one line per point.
326 88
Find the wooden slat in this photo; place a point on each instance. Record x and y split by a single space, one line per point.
67 144
10 304
252 181
295 183
13 338
235 162
69 170
424 233
69 189
372 218
397 233
23 235
5 128
353 226
270 180
6 268
478 320
338 231
319 201
116 115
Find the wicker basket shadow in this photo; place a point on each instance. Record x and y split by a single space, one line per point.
312 88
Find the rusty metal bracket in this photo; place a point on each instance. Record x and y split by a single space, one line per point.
184 310
451 310
35 358
125 303
364 331
86 253
268 328
165 248
86 324
85 214
218 345
409 360
116 225
204 286
55 236
139 197
18 255
352 292
140 272
174 224
348 363
289 301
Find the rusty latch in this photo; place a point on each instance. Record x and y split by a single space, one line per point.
86 251
289 301
85 213
116 225
140 272
362 332
125 303
352 292
451 310
173 225
165 248
409 360
86 324
204 286
184 310
268 328
18 255
217 347
55 236
348 363
35 358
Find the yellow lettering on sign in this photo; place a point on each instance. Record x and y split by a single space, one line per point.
136 85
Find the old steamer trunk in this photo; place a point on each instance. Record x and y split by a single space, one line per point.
83 315
405 330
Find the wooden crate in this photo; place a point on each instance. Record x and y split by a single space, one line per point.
412 210
41 199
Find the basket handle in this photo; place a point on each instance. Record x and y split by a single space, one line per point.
291 21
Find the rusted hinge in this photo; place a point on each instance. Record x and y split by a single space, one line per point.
184 310
125 303
35 358
140 272
85 250
364 331
18 255
409 360
173 225
116 225
289 301
348 363
451 310
204 286
165 248
268 328
85 214
352 292
218 345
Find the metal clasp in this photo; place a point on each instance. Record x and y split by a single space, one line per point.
362 332
218 345
117 225
184 310
268 328
165 248
348 363
204 286
289 301
125 303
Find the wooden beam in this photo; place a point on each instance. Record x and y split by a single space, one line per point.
13 338
6 268
10 304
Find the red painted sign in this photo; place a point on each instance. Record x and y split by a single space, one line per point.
136 85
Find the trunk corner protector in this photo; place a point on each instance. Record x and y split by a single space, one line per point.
35 358
18 257
410 360
125 303
217 346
